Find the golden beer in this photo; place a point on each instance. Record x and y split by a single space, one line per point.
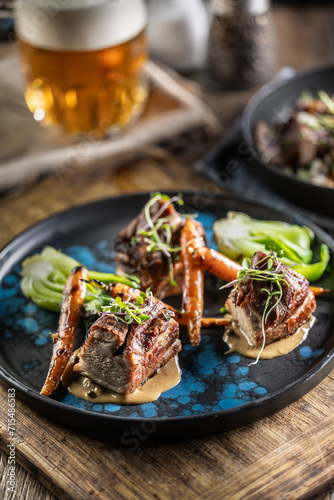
83 61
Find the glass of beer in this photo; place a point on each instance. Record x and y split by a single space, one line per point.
82 61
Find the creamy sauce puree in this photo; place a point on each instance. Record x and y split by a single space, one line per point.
84 388
238 343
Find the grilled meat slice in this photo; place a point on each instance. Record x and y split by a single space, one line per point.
152 268
293 146
121 356
247 302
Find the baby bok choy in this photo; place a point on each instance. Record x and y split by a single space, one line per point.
239 236
44 276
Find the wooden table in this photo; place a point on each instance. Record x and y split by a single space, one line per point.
288 455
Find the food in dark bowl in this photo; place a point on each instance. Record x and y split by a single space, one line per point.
304 144
272 103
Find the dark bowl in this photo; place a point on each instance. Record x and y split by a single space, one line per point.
273 103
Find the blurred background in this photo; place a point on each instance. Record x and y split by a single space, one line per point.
222 50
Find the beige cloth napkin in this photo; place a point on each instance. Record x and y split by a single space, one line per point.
28 150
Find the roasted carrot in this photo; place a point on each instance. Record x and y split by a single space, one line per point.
120 290
226 269
191 237
73 297
182 318
317 290
210 322
215 263
123 291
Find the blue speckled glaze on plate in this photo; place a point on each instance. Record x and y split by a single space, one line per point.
215 386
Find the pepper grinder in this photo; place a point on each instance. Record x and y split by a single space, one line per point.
241 43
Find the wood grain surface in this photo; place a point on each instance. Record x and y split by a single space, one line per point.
289 455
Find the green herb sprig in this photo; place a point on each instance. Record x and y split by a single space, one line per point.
128 311
158 231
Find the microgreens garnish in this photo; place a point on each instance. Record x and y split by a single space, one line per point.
268 270
158 231
132 309
327 101
129 310
317 126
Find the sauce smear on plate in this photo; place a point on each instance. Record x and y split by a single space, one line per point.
164 379
238 343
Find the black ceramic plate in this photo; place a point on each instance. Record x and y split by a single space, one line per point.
217 391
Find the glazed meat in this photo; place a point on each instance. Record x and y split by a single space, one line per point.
291 147
247 302
151 267
122 356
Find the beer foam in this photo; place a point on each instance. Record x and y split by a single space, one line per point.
78 25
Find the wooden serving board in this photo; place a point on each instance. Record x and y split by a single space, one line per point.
290 455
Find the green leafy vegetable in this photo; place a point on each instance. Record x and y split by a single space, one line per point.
239 236
312 272
45 275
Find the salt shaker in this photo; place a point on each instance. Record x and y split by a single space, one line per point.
178 33
241 51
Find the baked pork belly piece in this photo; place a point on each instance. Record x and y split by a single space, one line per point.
155 267
247 303
122 356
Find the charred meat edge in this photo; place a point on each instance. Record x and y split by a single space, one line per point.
121 357
246 303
